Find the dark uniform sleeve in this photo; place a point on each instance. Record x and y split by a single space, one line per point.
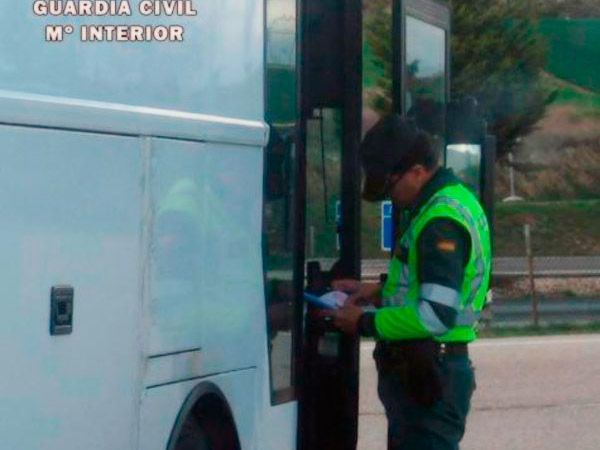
444 247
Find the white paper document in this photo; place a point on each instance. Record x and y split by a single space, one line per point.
330 300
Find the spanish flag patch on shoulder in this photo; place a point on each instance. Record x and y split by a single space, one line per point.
446 245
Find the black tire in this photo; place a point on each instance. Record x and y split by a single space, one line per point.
192 436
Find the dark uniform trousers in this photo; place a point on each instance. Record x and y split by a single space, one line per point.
426 398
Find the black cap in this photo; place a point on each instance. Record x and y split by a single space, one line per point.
393 145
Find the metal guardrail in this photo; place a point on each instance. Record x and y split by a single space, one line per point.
544 266
549 266
555 311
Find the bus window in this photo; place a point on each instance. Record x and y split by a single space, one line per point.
323 170
426 76
377 61
206 75
377 97
465 160
279 193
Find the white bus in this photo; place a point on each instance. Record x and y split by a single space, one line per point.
159 204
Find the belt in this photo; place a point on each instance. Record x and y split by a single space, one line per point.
454 348
400 348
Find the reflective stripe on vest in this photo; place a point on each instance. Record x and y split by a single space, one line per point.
442 295
402 287
475 241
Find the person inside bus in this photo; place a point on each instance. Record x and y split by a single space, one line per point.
436 287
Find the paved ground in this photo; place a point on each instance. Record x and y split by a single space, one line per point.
533 393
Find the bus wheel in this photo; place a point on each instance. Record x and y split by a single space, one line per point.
192 436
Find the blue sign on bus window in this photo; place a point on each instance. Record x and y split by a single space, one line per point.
386 226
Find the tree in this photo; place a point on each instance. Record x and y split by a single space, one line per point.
569 8
378 35
498 57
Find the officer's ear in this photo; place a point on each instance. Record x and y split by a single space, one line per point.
421 174
419 171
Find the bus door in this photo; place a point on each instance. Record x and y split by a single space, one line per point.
330 127
360 61
406 46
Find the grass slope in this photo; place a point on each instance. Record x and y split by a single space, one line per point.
574 50
558 228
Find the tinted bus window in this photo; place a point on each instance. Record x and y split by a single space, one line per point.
426 75
201 74
323 185
377 98
280 190
465 161
377 61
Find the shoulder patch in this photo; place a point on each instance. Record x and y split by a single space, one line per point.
446 245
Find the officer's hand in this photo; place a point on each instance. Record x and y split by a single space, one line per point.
346 318
368 294
347 285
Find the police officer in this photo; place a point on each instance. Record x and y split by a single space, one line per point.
435 290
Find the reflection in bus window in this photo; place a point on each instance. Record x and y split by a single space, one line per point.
377 61
180 235
376 94
426 75
323 170
279 191
465 161
201 243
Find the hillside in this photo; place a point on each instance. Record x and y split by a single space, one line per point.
573 49
567 228
557 165
560 160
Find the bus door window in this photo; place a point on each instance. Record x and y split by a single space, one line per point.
425 72
465 161
377 62
377 96
280 190
323 184
466 131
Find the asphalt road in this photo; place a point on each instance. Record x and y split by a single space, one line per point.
533 393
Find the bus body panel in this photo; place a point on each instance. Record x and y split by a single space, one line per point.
206 283
71 212
238 388
225 294
100 138
274 431
216 70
